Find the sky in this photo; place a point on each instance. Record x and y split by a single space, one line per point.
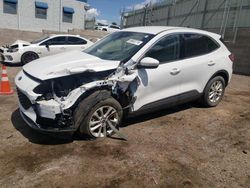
108 11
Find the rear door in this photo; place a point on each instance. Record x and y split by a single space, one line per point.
76 43
199 56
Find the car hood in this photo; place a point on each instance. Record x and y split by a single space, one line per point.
20 43
68 63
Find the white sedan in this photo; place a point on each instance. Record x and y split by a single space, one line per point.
109 28
25 52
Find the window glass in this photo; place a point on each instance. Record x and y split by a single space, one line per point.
76 41
9 8
67 17
195 44
41 13
166 49
55 41
119 46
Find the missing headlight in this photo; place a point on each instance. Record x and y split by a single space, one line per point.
62 86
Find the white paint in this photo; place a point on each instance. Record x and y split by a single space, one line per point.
5 79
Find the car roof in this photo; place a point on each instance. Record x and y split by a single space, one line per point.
149 29
159 29
63 35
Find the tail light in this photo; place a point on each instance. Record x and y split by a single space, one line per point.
232 57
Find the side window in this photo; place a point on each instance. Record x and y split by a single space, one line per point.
10 6
76 41
166 49
195 44
55 41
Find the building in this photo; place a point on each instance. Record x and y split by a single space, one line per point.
38 15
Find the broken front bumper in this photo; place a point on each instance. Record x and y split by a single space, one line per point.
30 117
34 112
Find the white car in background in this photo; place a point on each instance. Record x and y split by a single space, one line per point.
133 71
109 28
25 52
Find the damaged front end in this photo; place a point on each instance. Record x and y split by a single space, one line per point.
49 105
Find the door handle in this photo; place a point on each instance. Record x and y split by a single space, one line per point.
211 63
62 48
175 71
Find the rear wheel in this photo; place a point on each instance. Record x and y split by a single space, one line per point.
28 57
214 91
99 120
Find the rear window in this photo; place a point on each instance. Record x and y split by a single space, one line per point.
196 44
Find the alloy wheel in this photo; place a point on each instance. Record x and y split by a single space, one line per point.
216 91
101 119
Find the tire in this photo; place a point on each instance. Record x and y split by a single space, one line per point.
28 57
214 91
91 122
104 29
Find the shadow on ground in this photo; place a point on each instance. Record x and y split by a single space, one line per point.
36 136
63 138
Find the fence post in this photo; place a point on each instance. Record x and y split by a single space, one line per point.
204 15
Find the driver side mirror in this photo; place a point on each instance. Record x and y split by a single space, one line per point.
148 63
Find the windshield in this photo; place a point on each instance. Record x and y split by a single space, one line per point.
119 46
39 40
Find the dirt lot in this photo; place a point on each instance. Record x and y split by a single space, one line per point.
187 146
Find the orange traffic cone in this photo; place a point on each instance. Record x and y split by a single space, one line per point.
5 88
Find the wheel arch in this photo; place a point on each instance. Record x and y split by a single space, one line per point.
30 51
223 73
93 96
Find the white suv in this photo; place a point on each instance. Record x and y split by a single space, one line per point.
133 71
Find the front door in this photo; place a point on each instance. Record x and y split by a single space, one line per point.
162 83
53 46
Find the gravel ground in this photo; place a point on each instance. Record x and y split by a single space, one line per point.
186 146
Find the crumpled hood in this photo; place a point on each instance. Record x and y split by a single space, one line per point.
20 42
67 63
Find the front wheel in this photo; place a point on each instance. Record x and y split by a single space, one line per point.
214 91
28 57
100 119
